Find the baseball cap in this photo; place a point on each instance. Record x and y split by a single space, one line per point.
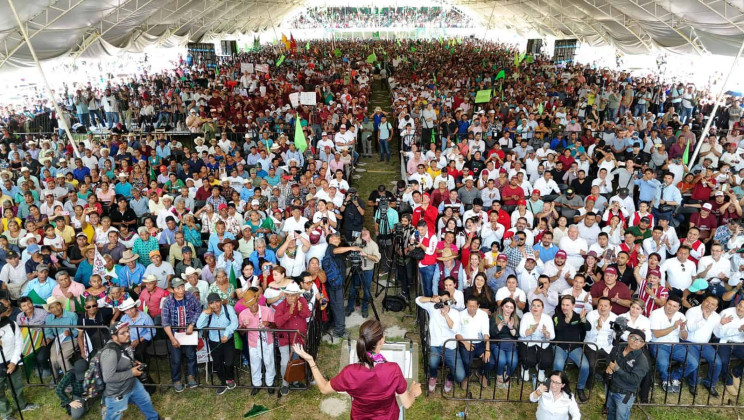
561 254
645 219
698 285
707 206
114 329
610 270
569 191
719 194
636 331
654 272
213 297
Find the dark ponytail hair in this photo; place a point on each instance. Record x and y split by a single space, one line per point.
370 333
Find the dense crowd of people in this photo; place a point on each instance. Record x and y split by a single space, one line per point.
560 205
384 17
547 213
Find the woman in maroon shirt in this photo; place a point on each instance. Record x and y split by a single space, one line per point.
375 385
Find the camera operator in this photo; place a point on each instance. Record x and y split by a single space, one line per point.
368 256
120 372
444 324
628 366
353 215
386 217
405 266
334 265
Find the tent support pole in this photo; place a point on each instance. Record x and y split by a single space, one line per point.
60 116
719 98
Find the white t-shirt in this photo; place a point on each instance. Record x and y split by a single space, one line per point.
504 293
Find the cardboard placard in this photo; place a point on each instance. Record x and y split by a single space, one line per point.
246 67
294 98
308 98
483 96
263 68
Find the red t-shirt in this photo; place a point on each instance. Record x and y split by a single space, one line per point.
373 390
702 192
707 225
508 190
620 289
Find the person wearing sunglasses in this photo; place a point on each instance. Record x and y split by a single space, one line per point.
90 340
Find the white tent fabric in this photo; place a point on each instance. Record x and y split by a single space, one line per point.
96 27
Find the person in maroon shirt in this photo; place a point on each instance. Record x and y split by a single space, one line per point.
512 193
705 221
374 384
503 217
705 182
617 292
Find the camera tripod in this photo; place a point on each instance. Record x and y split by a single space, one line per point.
355 275
386 249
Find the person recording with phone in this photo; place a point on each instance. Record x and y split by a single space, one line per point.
444 325
554 398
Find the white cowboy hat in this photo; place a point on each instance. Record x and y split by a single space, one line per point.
128 303
292 289
128 256
23 243
189 271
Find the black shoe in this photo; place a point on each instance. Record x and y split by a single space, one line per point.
349 311
221 390
365 314
284 390
692 388
711 390
582 395
255 391
271 391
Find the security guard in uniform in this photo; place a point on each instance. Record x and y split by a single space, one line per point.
626 371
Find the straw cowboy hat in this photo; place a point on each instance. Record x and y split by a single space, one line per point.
189 271
128 256
447 255
150 278
292 289
52 300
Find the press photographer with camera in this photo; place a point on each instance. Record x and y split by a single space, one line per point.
405 266
628 366
363 260
444 324
334 265
120 373
353 215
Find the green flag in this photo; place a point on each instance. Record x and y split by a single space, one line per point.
233 279
398 41
413 49
540 108
299 137
337 52
371 58
35 298
530 59
255 411
516 59
307 46
483 96
376 35
500 75
686 155
280 60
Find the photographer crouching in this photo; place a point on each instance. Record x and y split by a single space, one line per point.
363 260
627 368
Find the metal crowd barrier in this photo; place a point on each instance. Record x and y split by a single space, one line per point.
156 351
517 390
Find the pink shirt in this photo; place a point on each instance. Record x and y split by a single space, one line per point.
75 288
248 319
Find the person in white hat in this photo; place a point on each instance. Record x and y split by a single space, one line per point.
139 337
59 333
193 279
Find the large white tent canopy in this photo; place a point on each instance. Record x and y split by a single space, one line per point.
99 27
